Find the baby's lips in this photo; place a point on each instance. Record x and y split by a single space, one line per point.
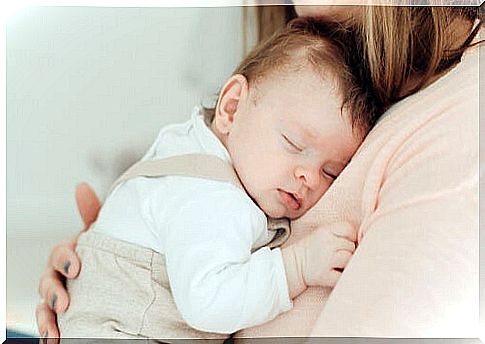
298 199
295 202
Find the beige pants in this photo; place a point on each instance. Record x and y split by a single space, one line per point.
122 291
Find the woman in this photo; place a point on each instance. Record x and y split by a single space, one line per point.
411 190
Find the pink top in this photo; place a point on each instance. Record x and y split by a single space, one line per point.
412 192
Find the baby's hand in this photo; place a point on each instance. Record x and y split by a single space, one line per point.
325 253
319 258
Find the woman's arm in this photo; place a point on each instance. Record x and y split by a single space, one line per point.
63 263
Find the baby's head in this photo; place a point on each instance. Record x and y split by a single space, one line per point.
293 114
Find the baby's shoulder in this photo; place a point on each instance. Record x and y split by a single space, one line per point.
175 139
187 200
205 193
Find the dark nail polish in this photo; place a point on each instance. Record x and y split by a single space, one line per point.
54 301
67 265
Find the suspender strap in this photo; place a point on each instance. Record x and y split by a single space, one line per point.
188 165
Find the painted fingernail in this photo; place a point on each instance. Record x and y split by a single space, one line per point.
67 265
54 301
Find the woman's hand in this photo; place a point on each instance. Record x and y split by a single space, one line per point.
63 263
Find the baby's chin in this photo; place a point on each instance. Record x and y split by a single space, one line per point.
278 211
272 211
293 214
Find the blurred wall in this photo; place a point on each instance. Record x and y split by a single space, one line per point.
88 89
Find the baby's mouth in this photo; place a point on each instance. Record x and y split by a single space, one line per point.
291 200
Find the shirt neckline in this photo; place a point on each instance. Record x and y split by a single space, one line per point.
209 141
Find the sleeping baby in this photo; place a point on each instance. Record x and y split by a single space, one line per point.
187 244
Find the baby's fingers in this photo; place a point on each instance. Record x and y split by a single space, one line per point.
344 230
344 245
341 259
53 291
332 278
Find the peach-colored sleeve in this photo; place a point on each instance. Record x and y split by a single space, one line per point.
415 272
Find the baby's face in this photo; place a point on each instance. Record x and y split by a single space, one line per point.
289 141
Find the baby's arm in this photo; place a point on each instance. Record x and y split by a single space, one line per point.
217 284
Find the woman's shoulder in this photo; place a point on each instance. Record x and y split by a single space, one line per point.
426 143
457 88
450 102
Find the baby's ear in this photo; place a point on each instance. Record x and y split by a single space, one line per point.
233 95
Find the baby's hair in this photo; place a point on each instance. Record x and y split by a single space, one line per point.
405 47
331 51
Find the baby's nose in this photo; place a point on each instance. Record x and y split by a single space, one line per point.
310 175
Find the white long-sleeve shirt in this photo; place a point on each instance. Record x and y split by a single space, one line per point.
206 230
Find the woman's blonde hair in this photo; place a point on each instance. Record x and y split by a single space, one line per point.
404 47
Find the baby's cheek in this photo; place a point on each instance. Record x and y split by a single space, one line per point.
320 193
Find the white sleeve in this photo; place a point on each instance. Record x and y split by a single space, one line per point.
217 284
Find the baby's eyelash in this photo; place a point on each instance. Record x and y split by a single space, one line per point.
291 143
331 176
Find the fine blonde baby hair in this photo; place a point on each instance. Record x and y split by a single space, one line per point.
331 51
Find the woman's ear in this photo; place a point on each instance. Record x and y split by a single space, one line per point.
233 95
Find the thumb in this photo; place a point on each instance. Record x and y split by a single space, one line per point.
88 204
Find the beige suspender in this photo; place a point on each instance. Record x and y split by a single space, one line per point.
188 165
200 166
